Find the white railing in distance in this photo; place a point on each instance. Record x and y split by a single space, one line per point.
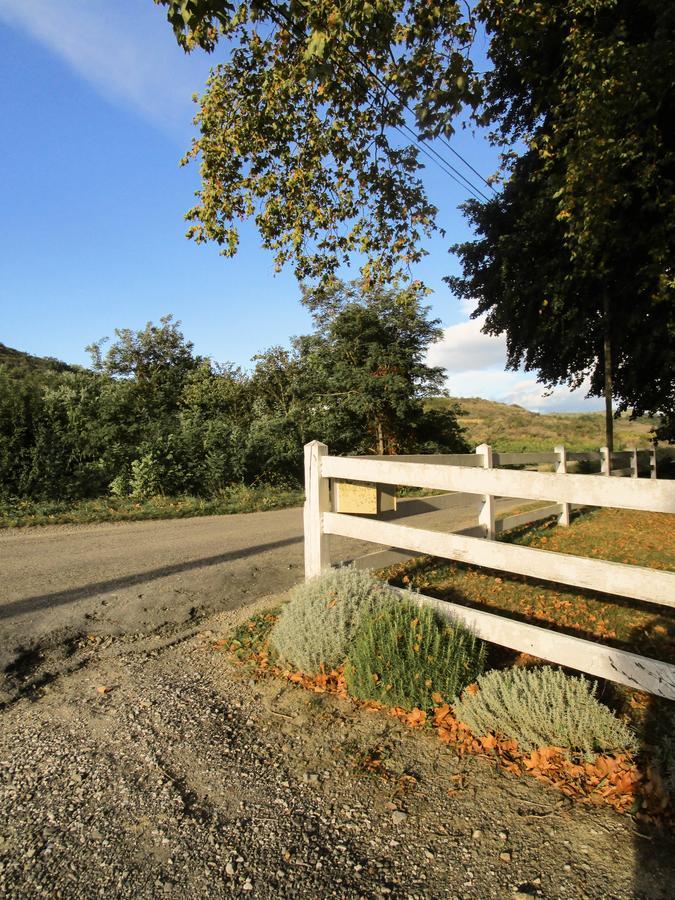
588 490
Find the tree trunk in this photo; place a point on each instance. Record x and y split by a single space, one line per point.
380 439
607 360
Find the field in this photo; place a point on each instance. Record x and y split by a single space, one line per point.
636 538
514 429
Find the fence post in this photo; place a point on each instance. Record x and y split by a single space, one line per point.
652 463
317 502
486 516
561 469
633 462
605 461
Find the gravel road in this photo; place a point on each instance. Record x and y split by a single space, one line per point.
60 583
137 760
190 777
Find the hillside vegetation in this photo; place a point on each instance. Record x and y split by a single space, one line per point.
508 427
18 363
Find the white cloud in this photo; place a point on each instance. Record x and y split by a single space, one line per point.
124 49
464 347
476 367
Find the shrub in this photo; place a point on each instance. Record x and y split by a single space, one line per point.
315 628
543 707
403 654
145 478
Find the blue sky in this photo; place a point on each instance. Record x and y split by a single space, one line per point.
97 112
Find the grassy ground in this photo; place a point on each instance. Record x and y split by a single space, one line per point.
636 538
238 499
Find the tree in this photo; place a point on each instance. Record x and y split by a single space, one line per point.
574 258
367 362
300 128
357 382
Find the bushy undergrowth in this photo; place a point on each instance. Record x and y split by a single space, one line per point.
316 627
543 707
403 655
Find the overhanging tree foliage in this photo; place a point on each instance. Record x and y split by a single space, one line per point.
298 130
574 259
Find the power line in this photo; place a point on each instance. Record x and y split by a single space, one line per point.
429 151
441 163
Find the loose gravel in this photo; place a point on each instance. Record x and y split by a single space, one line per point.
159 767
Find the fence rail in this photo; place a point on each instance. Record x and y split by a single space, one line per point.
467 476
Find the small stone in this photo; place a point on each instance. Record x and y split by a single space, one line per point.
477 834
567 867
247 885
503 836
398 817
505 856
428 854
229 868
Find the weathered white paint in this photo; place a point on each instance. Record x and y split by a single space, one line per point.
561 469
486 515
442 459
317 502
651 585
523 459
589 490
382 559
586 656
605 461
634 462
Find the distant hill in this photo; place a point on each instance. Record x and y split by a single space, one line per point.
511 428
20 364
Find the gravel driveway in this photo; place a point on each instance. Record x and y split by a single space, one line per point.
189 778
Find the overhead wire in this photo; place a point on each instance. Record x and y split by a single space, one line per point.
423 143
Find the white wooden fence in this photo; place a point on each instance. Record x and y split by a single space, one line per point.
476 475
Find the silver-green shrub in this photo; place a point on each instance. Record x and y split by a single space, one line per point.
543 707
315 628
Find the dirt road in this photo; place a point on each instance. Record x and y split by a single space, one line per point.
58 584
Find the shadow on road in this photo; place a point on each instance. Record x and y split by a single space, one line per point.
70 595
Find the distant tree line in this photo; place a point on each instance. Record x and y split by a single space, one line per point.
152 417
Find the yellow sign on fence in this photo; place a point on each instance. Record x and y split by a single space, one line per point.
363 498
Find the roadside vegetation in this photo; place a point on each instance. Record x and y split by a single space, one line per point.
480 698
152 429
235 499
